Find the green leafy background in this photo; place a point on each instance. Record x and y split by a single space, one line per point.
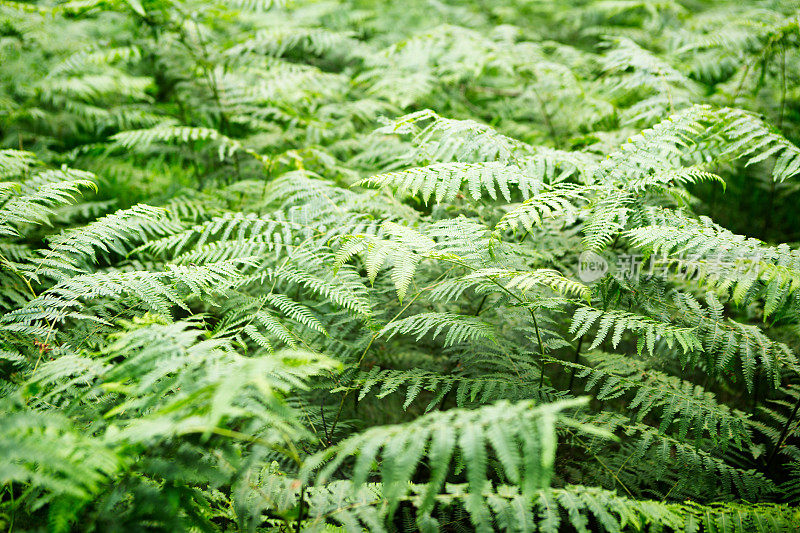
316 265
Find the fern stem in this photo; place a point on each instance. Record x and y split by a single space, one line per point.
785 430
13 507
300 508
756 382
324 424
741 84
480 306
375 336
222 124
771 198
783 89
546 117
575 360
541 348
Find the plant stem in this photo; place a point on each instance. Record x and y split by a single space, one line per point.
300 508
480 306
541 348
575 360
783 433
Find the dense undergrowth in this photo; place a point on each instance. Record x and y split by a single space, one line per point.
407 265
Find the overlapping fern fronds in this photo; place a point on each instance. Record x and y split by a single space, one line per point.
425 266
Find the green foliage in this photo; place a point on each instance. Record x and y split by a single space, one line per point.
521 436
428 266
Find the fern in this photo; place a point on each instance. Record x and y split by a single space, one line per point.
71 463
445 180
646 329
556 203
524 449
698 463
385 266
698 410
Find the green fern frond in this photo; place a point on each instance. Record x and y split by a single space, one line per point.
139 139
525 281
467 390
459 328
47 450
234 228
157 291
558 202
667 456
15 162
35 205
111 233
692 409
446 180
647 329
344 288
524 448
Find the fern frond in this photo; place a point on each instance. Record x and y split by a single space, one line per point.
459 328
647 329
524 449
47 450
525 281
344 288
157 291
272 231
36 206
111 233
139 139
467 390
689 407
689 462
558 202
446 180
256 5
15 162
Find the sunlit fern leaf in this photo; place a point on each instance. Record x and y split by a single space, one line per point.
344 287
445 180
157 291
15 162
139 139
646 329
93 56
271 230
213 387
524 448
555 203
36 206
525 281
752 140
403 253
256 5
458 328
112 233
465 141
277 41
47 450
